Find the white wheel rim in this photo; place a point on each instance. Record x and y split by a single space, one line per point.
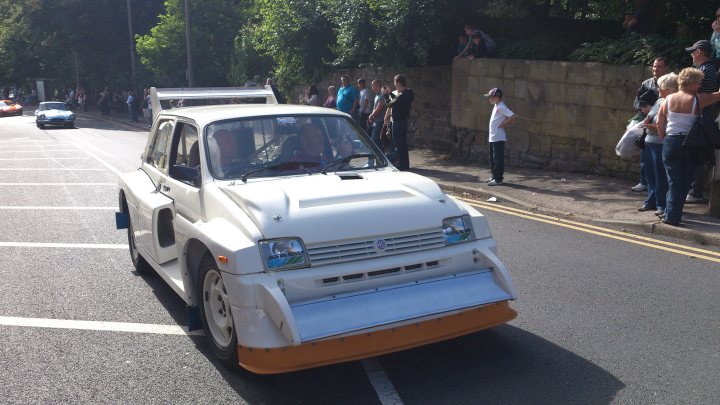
217 308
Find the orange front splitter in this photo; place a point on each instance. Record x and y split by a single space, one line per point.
331 351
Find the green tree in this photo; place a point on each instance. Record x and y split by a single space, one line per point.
296 35
214 24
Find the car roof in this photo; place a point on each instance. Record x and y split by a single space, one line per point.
207 114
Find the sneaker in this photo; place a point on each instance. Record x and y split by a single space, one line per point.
691 199
494 182
489 180
639 187
660 212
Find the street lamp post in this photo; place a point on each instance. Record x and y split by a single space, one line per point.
132 46
187 41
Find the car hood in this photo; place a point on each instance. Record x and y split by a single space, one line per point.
343 206
55 113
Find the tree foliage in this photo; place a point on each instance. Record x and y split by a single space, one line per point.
298 41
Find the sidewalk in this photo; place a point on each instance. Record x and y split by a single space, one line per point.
604 200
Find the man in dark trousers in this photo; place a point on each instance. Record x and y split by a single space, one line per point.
400 106
701 52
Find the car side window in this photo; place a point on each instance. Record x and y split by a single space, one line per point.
158 154
185 147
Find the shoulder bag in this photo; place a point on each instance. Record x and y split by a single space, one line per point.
703 132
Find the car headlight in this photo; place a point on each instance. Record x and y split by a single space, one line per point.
71 117
283 254
457 230
41 116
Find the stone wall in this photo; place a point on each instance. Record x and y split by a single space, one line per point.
570 115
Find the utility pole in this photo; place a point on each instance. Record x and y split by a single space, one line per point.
77 72
132 46
715 189
190 80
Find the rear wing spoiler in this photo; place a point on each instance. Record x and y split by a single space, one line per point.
207 93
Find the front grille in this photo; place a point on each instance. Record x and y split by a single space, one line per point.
380 273
352 250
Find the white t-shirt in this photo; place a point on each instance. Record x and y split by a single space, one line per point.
365 97
499 113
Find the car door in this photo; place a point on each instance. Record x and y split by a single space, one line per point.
154 233
185 152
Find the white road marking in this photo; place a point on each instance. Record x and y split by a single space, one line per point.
47 158
104 163
63 245
39 169
384 388
42 150
58 184
98 326
49 207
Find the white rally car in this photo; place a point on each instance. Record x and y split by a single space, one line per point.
296 243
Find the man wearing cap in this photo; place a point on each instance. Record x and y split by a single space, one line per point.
701 52
500 118
649 87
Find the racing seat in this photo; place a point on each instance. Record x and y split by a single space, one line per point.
194 155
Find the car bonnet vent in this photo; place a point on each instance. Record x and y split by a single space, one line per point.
350 176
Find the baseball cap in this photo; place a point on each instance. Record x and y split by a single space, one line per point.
702 44
494 92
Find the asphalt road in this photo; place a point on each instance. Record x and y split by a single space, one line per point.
602 319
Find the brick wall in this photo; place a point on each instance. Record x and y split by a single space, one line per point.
570 115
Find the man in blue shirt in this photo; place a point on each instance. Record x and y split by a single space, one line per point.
348 98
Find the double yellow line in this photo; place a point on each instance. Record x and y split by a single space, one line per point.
689 251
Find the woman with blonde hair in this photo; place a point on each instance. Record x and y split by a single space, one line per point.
652 155
677 115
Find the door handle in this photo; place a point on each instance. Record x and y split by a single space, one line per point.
165 188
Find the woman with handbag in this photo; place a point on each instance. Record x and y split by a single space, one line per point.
652 155
677 116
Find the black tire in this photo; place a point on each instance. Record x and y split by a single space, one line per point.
140 264
215 313
41 126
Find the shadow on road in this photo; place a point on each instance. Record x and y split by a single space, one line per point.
501 365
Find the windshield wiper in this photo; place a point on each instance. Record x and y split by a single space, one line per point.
276 166
338 162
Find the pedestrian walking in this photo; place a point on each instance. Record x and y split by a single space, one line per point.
500 118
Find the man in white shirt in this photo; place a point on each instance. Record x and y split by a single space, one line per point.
365 104
501 117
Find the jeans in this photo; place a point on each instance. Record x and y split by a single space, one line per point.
680 167
643 168
657 182
376 132
497 160
364 121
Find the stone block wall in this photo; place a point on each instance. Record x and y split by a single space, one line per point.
570 115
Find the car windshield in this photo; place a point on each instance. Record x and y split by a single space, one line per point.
53 106
287 145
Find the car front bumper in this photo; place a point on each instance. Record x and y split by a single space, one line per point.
55 121
337 350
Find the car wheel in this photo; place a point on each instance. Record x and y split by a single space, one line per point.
215 313
69 125
139 262
41 126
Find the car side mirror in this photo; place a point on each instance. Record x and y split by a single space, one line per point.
187 174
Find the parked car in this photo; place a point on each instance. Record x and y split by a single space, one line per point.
295 243
54 113
9 107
